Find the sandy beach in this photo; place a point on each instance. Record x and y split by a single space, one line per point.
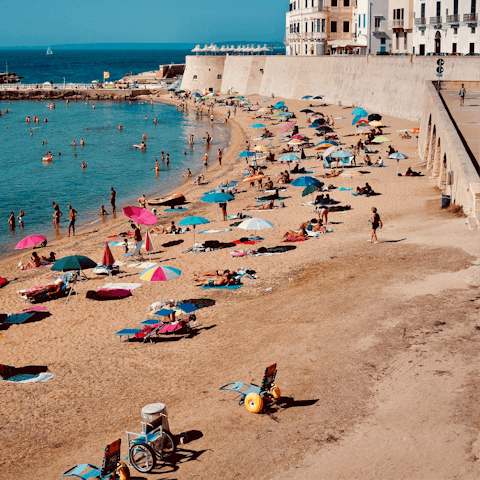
376 344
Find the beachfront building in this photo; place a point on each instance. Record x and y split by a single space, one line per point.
371 27
320 27
401 21
446 26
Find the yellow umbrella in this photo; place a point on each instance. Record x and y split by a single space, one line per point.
296 142
380 140
376 123
261 148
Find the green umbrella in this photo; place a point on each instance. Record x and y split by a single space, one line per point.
73 262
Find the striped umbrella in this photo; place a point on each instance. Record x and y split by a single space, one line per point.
160 274
107 260
261 148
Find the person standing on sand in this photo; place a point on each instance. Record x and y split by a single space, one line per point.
219 157
462 94
376 222
73 216
113 194
11 220
143 201
205 163
223 208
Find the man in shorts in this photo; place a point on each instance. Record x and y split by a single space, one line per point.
113 194
73 216
376 222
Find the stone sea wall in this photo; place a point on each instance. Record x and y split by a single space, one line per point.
388 85
40 94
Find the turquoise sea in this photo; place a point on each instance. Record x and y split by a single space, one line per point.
27 183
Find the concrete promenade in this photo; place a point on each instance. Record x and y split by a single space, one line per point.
467 117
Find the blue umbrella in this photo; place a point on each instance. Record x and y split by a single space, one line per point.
285 114
217 197
239 96
288 158
258 125
397 156
359 112
356 119
317 123
305 181
279 104
198 95
306 96
342 154
246 154
192 221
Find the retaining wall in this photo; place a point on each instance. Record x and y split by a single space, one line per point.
389 85
442 148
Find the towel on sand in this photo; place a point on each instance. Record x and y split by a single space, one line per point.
216 231
224 287
123 286
28 378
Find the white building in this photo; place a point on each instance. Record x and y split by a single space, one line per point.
371 27
446 26
400 20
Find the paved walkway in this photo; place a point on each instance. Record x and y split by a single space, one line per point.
467 117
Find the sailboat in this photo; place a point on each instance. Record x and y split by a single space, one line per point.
49 51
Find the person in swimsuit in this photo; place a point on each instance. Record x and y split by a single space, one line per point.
157 166
103 211
34 262
143 201
267 206
20 218
56 214
49 291
376 222
219 157
73 216
160 229
11 220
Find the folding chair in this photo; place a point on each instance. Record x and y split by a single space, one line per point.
135 252
111 460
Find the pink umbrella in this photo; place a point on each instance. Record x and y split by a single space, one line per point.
255 107
298 137
140 215
30 241
288 126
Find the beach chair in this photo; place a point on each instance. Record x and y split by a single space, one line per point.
111 460
348 162
256 397
327 163
128 332
131 255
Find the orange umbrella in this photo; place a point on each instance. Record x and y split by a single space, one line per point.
415 130
253 178
107 260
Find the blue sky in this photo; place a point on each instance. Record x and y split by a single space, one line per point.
53 22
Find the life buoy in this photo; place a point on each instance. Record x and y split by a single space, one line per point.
48 159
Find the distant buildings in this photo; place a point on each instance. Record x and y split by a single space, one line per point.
421 27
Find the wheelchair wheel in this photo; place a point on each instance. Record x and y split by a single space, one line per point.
254 402
164 447
142 457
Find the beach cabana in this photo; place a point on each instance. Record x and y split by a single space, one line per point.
197 49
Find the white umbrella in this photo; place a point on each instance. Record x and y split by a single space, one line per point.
197 49
351 174
255 224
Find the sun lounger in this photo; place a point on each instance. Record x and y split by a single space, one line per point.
135 252
128 332
111 460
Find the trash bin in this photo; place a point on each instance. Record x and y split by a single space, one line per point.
152 412
445 201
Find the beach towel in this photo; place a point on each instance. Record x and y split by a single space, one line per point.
143 265
108 294
215 231
234 217
183 209
125 286
3 282
28 378
265 210
343 189
295 239
37 308
224 287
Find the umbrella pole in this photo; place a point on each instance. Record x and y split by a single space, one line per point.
193 236
218 215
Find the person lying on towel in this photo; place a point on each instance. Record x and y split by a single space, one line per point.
48 291
160 229
411 173
366 190
217 281
266 206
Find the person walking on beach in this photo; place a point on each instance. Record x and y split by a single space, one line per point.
11 220
205 163
113 194
462 94
219 157
376 222
73 216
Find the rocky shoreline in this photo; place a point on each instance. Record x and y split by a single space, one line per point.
74 94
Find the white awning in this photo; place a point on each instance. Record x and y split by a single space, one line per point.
344 43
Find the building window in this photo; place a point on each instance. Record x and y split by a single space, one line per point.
472 30
472 48
454 48
333 26
346 27
318 25
323 25
383 41
422 33
397 42
306 49
363 20
455 7
334 3
306 27
306 3
219 77
405 41
346 3
455 31
473 6
313 26
422 49
378 20
439 9
422 10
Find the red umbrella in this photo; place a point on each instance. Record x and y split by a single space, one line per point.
140 215
30 241
288 126
107 259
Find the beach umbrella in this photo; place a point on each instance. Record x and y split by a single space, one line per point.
318 97
288 126
253 178
397 156
355 120
289 157
328 143
325 145
217 197
324 129
258 125
160 274
376 123
359 112
255 224
30 241
279 105
193 221
107 259
296 142
172 89
298 137
265 99
246 154
311 189
342 154
306 97
362 122
140 215
305 181
149 246
73 263
374 116
255 107
261 148
351 174
380 140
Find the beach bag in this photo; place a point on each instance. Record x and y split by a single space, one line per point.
237 253
3 282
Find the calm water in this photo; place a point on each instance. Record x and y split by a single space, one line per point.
83 66
29 184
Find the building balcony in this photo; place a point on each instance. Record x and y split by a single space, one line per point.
470 17
435 20
397 23
421 22
302 37
378 30
453 18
